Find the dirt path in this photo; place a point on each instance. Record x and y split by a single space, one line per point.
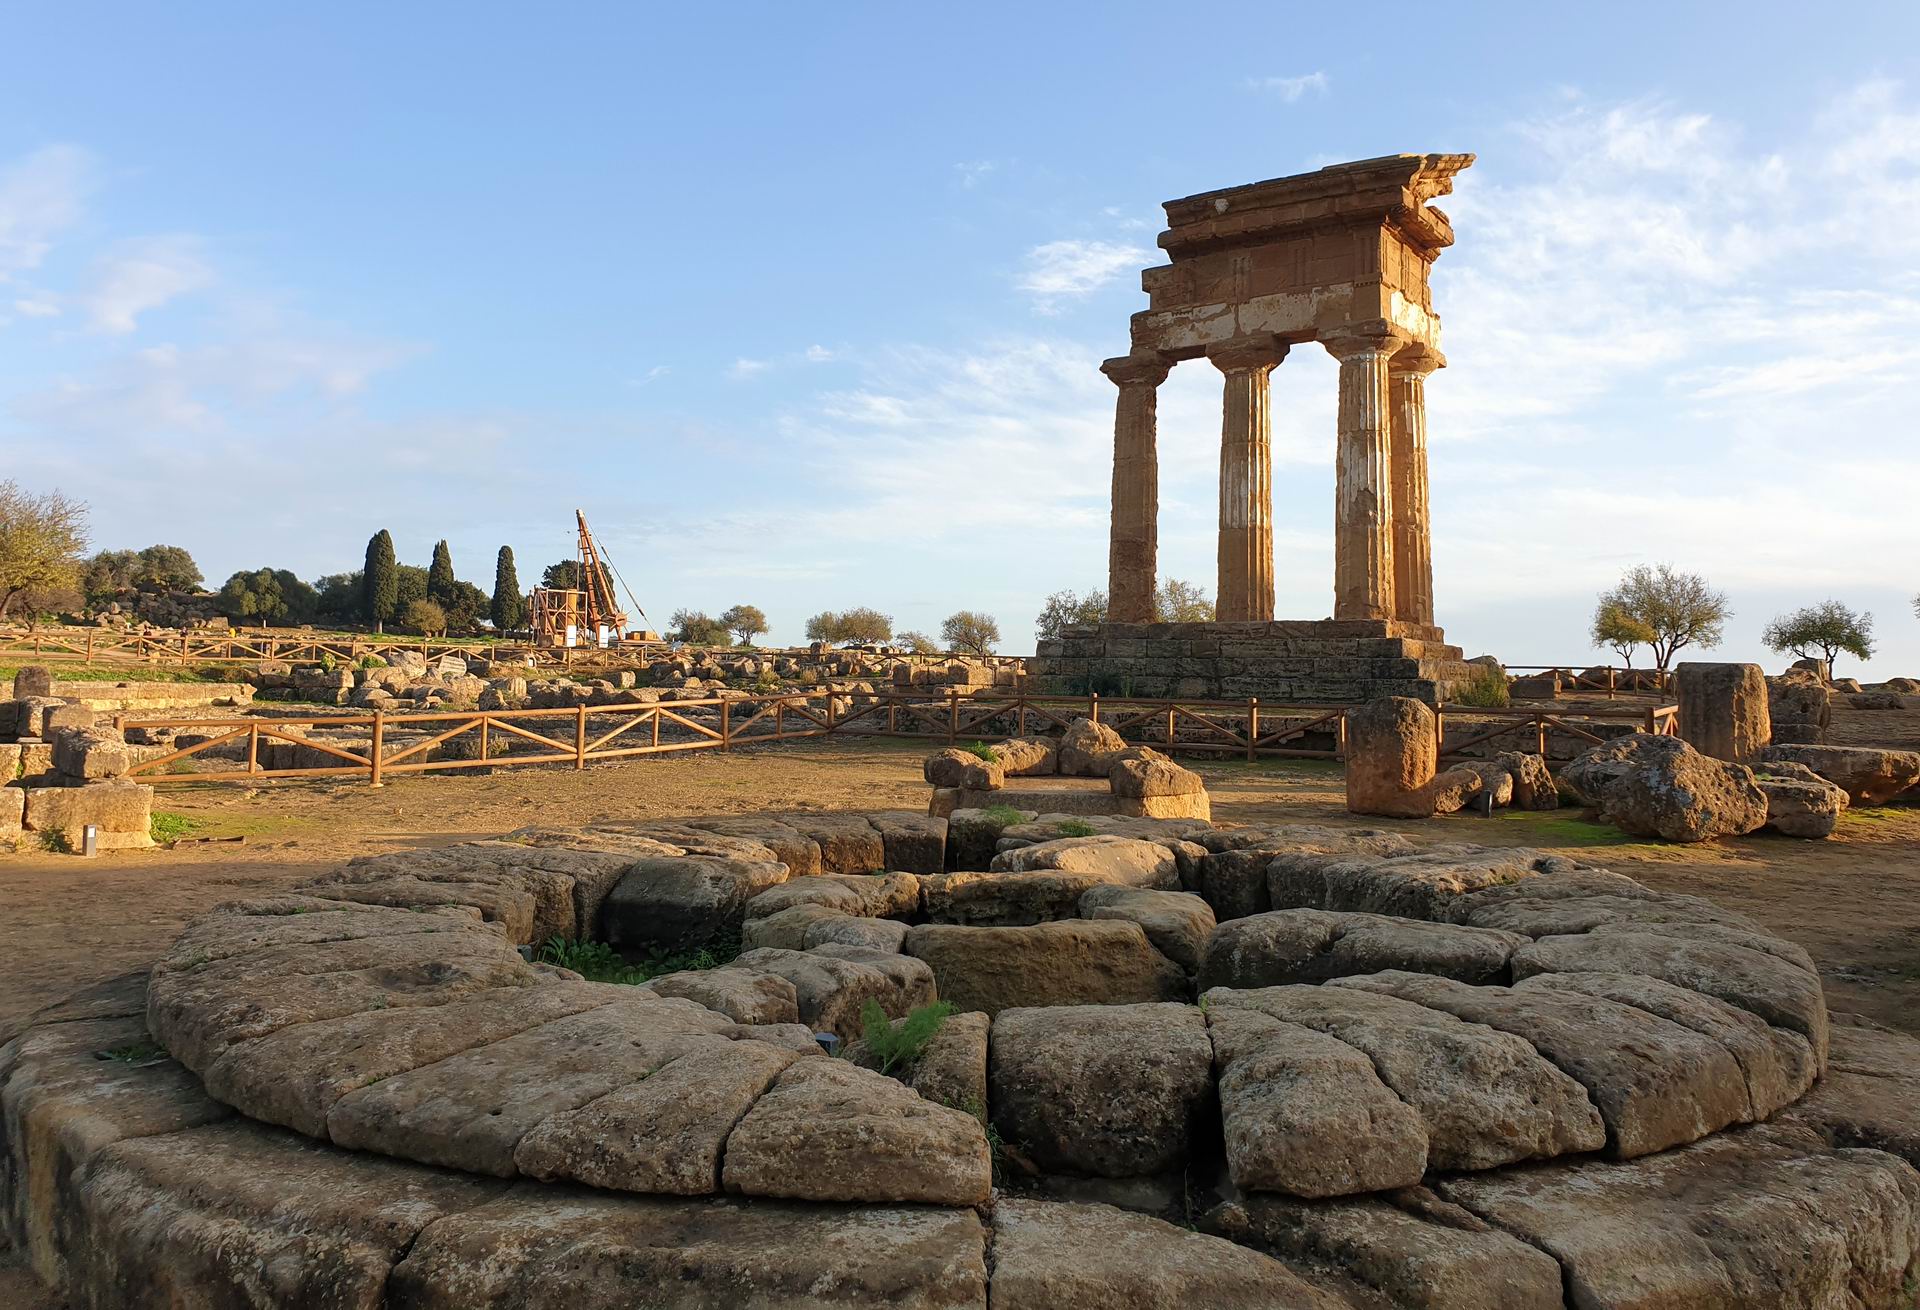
1854 901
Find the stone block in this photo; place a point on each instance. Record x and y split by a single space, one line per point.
13 813
91 753
1723 709
33 680
122 811
1391 756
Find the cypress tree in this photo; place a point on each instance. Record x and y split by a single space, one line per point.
440 575
380 582
509 606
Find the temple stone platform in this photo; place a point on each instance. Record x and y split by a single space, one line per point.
1309 662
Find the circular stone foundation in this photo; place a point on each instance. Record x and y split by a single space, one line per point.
1194 1065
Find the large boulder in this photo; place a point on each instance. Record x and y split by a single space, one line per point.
1533 785
1146 774
1723 709
1800 803
1028 757
683 903
1870 776
1076 962
1392 749
1177 923
1800 707
1089 749
1658 786
954 767
1108 1091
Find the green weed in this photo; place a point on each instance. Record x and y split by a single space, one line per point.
983 751
1004 816
1075 828
599 962
134 1053
166 826
1487 688
901 1047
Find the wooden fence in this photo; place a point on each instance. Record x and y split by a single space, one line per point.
1608 681
365 746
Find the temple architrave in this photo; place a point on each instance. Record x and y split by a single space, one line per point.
1340 257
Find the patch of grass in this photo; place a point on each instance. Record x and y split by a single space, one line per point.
166 826
1003 815
901 1048
1075 828
134 673
981 750
1565 828
1487 688
599 962
134 1053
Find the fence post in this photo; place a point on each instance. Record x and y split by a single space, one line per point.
953 715
376 764
1439 732
726 731
1653 727
1253 725
89 645
579 736
1540 728
483 738
1340 736
1093 706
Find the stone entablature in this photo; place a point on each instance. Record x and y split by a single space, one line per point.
1339 256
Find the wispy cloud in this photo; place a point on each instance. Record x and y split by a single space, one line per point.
1291 89
819 355
141 275
41 195
746 368
973 172
1068 270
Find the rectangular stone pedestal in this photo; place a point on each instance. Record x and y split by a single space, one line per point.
1315 662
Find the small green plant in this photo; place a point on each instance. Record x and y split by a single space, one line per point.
56 843
327 662
1487 688
983 751
165 826
134 1053
1075 828
370 662
599 962
1004 816
901 1047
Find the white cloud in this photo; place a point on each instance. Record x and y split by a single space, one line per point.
972 173
141 275
819 355
41 195
1291 89
1060 270
746 368
41 306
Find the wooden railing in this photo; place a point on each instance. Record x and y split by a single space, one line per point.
364 744
1608 681
91 646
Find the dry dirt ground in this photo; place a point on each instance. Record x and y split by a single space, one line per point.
1853 901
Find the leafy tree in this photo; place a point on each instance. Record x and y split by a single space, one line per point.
409 585
166 568
824 626
464 607
339 595
1828 627
570 575
862 625
266 595
1067 609
1679 608
41 538
425 617
440 575
697 628
108 574
1175 601
380 582
917 642
745 622
1614 627
509 609
971 632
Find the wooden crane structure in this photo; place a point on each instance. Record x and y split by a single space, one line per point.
587 615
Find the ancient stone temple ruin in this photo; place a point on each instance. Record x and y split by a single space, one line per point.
1340 257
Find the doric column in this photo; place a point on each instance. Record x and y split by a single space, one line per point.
1246 478
1363 479
1133 546
1412 521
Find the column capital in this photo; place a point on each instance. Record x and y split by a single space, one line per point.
1355 342
1418 359
1263 351
1150 367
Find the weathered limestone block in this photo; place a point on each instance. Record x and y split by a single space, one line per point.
1771 1216
1869 1094
786 929
848 843
684 903
541 1248
954 767
1723 709
663 1133
13 811
91 753
745 996
1800 707
828 1131
1486 1098
911 843
1077 962
1391 754
1054 1256
1533 785
1088 749
893 896
1127 861
832 984
121 811
1111 1091
1657 786
33 680
1655 1083
1028 757
1300 946
1305 1113
1800 803
1178 924
1455 788
1420 886
1870 777
973 835
1143 777
1407 1247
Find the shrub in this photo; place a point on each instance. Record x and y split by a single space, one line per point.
1487 688
983 751
901 1047
1004 815
1075 828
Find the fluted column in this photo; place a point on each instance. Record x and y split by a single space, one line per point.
1363 479
1412 524
1134 540
1246 478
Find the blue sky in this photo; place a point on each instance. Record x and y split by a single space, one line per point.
803 304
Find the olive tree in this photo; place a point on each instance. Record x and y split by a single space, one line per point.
1828 628
1678 608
